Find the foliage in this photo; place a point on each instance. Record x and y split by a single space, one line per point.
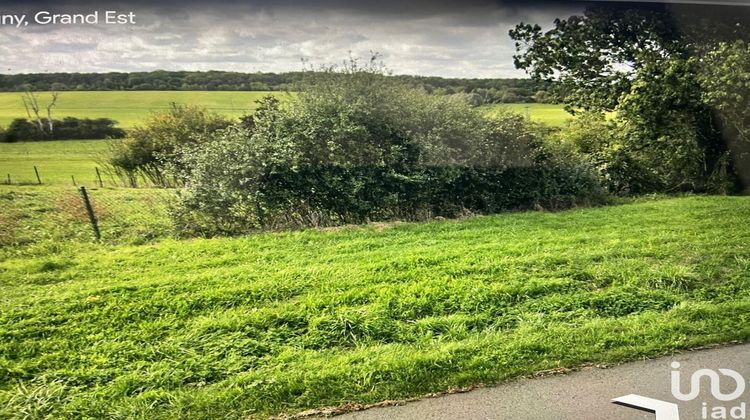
673 130
724 81
69 128
147 147
277 323
595 57
488 90
357 145
642 62
622 170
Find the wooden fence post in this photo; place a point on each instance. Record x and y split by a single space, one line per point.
90 211
99 177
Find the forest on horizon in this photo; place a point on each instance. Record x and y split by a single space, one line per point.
486 91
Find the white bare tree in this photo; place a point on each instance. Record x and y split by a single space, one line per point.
31 103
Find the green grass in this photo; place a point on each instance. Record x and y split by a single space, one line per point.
130 108
282 322
552 114
43 220
56 162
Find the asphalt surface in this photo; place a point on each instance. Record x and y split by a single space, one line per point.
588 393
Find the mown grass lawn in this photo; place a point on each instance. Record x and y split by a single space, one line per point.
283 322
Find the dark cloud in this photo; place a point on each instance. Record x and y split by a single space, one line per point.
466 39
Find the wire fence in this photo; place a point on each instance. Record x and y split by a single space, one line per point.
98 176
31 218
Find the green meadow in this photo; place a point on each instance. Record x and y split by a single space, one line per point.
278 323
551 114
130 108
56 161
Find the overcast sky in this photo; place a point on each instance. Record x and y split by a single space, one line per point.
455 39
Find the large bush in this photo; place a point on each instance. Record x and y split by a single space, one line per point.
725 83
357 145
623 170
148 148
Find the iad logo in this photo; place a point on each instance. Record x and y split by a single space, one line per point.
720 411
665 410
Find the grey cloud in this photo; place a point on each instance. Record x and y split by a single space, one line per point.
443 38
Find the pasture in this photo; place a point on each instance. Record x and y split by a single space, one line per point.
551 114
130 108
56 161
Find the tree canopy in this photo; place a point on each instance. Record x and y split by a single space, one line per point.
597 56
656 66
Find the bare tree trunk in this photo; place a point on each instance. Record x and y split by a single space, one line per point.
49 112
30 102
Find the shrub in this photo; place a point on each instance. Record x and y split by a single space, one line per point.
724 83
21 129
356 146
77 128
148 148
69 128
603 143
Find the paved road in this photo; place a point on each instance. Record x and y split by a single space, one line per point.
585 394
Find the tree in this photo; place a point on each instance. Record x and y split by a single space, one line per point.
725 86
641 61
31 104
595 57
357 145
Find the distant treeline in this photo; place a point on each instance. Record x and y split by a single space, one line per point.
482 90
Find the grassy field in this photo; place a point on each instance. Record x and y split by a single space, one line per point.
130 108
283 322
56 161
552 114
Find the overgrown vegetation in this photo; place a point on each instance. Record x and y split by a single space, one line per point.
665 72
358 146
279 323
145 324
146 149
